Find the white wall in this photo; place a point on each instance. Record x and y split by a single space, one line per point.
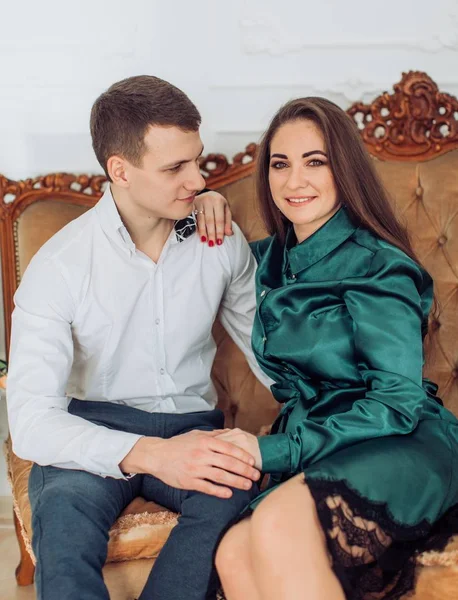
238 60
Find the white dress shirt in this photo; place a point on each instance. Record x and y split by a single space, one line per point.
96 319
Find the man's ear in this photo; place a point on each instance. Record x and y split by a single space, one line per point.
117 170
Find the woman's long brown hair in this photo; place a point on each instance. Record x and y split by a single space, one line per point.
358 185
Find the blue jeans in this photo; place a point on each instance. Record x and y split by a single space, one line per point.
72 512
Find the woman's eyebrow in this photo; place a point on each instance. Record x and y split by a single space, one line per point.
305 155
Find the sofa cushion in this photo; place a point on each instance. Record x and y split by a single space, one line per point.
140 531
426 198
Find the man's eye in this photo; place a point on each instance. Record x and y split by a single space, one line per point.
175 169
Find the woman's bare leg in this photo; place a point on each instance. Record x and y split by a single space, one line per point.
288 547
280 552
234 564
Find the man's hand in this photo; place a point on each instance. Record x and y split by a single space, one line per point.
197 460
214 217
244 440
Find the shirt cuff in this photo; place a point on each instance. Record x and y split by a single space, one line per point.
275 453
117 445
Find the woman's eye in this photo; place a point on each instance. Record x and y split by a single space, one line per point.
316 162
278 165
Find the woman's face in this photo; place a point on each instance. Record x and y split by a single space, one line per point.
300 178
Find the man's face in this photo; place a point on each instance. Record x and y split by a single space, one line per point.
165 184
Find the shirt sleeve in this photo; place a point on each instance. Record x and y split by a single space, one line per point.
41 356
238 306
387 314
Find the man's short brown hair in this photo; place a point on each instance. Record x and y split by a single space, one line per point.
121 116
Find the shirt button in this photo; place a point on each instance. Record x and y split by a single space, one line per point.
293 276
264 339
263 293
157 321
162 371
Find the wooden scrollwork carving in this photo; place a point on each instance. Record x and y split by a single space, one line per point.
417 122
15 196
218 171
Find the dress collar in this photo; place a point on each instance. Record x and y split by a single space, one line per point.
321 243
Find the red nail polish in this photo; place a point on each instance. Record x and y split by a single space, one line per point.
211 243
219 242
203 239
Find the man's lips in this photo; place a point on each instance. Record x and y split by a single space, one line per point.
189 199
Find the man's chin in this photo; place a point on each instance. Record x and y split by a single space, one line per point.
183 211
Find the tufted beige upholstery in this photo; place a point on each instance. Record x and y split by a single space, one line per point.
426 196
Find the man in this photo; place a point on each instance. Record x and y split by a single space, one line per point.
109 389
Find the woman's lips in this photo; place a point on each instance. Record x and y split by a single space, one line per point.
299 200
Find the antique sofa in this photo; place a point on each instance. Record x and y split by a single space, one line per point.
413 136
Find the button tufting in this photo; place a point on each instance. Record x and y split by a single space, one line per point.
435 325
455 373
419 191
442 240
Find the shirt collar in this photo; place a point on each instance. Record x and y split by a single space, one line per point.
321 243
113 226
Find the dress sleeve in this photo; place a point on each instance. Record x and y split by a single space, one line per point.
388 317
254 247
238 306
259 247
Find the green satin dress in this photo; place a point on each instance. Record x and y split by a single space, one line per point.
339 327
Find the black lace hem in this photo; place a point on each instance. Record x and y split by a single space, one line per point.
383 567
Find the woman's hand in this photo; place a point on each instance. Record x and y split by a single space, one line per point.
246 441
214 217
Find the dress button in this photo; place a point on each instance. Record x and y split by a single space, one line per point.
263 293
157 321
162 371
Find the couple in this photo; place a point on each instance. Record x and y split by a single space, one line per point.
109 388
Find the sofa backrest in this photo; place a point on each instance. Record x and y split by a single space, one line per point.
416 157
413 137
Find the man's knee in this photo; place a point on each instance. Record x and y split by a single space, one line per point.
217 511
71 500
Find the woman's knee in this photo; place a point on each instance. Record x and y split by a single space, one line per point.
233 550
288 508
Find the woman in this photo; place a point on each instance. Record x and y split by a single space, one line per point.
361 459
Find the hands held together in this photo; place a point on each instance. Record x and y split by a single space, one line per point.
210 462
